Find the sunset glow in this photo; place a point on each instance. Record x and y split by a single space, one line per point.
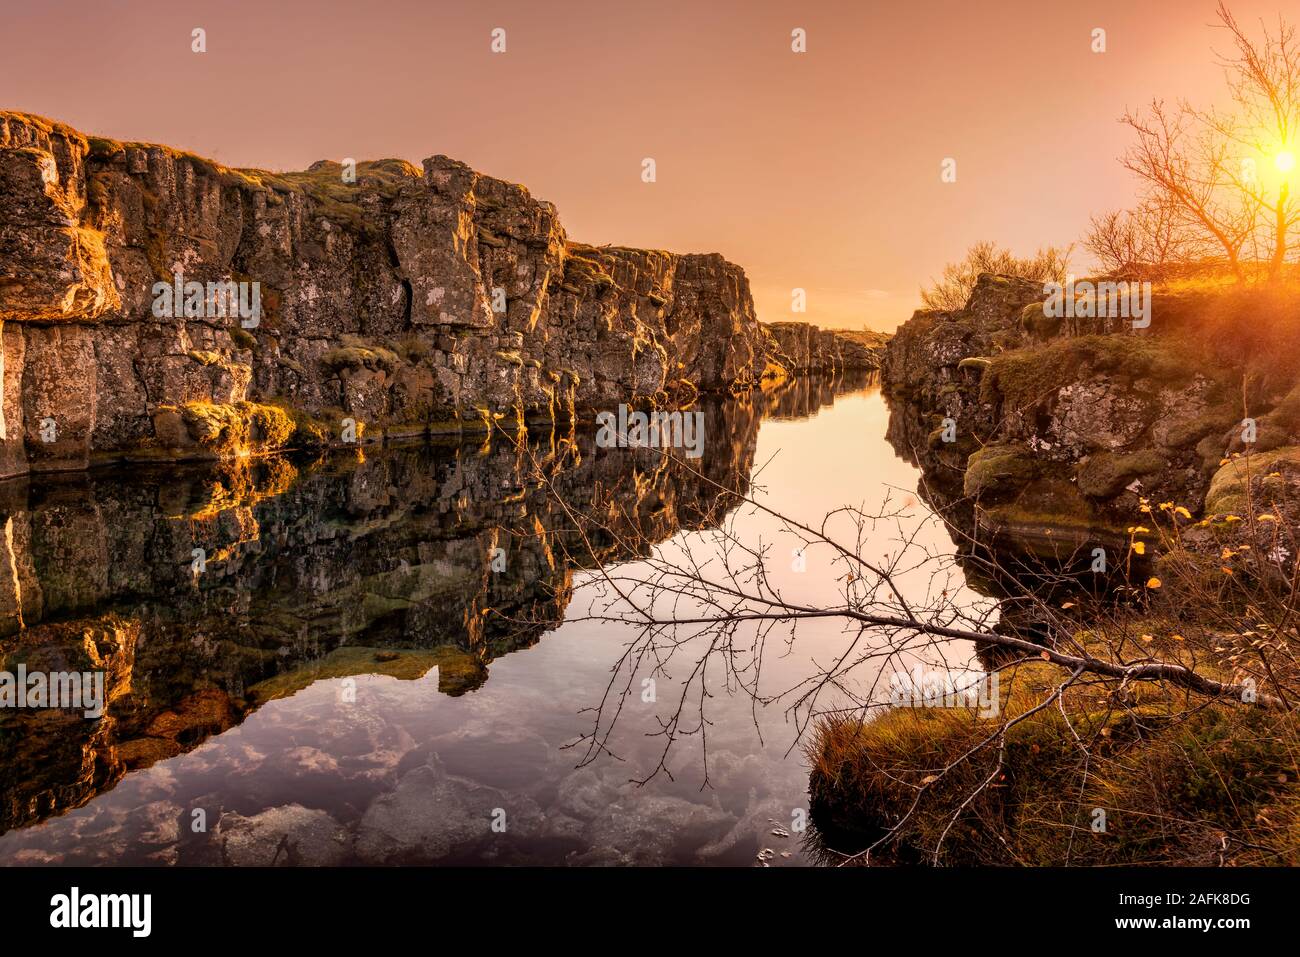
819 172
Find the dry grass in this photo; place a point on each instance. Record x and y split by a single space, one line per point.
1181 779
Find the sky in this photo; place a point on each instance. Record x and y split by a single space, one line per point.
816 170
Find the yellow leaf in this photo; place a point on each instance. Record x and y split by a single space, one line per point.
1176 637
1183 512
1153 582
1226 570
1140 547
1268 518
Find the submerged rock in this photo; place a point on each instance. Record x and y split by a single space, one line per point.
283 836
431 815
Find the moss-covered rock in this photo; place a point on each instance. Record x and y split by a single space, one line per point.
1105 474
222 430
998 471
1264 474
1037 323
1026 377
356 353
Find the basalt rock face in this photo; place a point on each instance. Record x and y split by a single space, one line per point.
802 347
861 349
1051 435
408 301
799 347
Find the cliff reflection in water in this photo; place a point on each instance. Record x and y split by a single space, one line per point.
380 563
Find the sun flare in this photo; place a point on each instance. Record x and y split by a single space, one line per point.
1285 161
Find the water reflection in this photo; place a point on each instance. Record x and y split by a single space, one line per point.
290 649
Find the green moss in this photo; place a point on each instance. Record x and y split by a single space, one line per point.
999 470
1281 425
103 148
580 271
356 353
1212 770
238 428
413 348
335 199
1047 515
1192 432
1228 489
1035 321
242 338
270 427
1106 474
1023 378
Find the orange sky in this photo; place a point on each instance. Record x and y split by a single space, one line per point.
818 170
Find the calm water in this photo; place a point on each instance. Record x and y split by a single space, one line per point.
349 680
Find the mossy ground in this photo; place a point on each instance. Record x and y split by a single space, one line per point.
1025 377
1175 786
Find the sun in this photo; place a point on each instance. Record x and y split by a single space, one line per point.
1285 161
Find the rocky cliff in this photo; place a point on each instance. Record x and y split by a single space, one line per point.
1060 433
799 347
408 301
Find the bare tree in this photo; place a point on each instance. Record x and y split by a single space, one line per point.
1144 243
1193 172
1264 79
1223 174
951 290
706 610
